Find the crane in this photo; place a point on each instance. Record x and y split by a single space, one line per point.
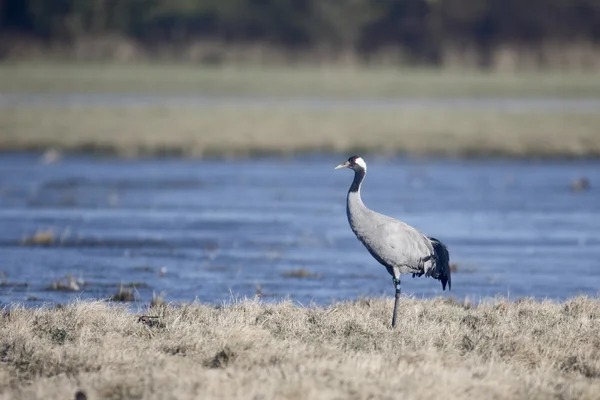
399 247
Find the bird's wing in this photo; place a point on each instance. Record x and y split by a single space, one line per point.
403 237
399 244
442 264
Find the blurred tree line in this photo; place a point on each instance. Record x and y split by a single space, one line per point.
422 30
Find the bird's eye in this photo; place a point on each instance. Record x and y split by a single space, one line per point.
352 160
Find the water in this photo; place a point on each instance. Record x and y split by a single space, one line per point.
87 100
220 229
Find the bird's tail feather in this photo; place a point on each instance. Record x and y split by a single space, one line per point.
442 263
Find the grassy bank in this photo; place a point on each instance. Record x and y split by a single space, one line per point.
501 350
249 129
246 131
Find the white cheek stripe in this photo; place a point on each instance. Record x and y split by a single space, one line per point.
360 162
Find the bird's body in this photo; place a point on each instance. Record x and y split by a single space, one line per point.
398 246
401 248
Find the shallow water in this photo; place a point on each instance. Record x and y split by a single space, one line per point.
220 229
120 100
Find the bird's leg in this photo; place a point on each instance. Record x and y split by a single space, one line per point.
396 300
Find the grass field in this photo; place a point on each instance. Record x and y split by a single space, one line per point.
250 350
301 81
248 129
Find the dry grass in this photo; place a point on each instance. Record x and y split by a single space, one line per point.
300 273
245 130
250 350
67 284
123 295
42 237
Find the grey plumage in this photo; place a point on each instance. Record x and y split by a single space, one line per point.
398 246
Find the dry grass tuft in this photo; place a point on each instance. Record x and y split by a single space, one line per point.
135 285
39 238
222 359
4 282
67 284
580 184
301 273
157 301
123 295
248 350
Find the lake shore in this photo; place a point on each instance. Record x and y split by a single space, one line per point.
500 349
250 128
254 131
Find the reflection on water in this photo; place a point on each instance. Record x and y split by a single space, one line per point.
211 230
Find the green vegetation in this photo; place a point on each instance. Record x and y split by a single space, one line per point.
249 350
300 81
482 33
245 129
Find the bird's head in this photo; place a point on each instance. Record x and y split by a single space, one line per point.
355 162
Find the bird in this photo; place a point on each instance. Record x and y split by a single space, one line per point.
399 247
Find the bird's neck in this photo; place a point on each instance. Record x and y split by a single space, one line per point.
358 178
354 201
354 204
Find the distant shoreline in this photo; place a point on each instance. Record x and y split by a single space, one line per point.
234 132
54 154
440 113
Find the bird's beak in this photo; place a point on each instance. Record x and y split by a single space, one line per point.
344 165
